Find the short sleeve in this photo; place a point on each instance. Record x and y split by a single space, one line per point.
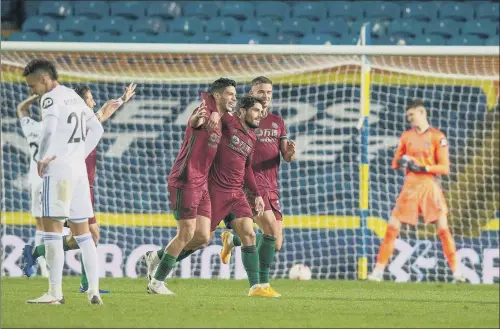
49 107
283 131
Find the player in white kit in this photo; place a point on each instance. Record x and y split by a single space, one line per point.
70 131
32 130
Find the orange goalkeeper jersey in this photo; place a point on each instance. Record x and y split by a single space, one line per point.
429 148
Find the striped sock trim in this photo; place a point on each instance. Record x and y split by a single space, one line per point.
51 236
82 238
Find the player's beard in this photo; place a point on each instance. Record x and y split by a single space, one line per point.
253 123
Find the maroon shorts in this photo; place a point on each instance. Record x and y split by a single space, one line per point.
271 202
189 203
92 220
228 206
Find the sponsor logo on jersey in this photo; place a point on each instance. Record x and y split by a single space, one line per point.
47 102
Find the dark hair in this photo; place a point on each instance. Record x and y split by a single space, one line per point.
221 84
261 79
82 90
42 65
248 101
415 103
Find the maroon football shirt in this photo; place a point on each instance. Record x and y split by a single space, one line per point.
266 160
91 163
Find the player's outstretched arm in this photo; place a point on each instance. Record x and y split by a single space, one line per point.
23 107
94 132
110 107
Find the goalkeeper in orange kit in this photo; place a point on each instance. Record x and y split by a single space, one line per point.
423 152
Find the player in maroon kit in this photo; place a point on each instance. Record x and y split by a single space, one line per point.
30 254
188 183
271 141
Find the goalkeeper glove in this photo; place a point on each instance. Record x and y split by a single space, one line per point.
412 166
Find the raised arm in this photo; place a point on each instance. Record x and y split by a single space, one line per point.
23 107
110 107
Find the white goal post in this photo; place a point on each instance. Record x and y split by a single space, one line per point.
344 107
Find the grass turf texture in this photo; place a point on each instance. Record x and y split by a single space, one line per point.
223 303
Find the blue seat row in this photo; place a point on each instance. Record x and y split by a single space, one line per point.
251 38
242 10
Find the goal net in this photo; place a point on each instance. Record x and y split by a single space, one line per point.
319 96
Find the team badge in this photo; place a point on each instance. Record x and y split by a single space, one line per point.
275 125
235 140
443 142
47 102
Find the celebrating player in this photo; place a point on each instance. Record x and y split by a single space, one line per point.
64 146
423 152
32 130
232 167
271 141
187 184
69 243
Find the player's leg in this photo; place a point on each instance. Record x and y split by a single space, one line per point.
406 211
434 209
81 211
185 208
56 199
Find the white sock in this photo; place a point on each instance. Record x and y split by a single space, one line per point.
89 256
42 264
54 254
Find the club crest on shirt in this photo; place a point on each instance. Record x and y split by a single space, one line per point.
275 125
47 102
443 142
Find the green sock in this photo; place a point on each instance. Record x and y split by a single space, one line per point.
160 253
250 259
39 251
83 279
166 265
237 240
184 254
266 257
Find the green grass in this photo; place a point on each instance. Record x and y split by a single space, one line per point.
224 304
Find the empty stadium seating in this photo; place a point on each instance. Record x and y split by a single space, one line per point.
281 22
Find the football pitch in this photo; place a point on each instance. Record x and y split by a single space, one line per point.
224 304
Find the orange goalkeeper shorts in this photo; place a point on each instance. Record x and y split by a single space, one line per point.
424 197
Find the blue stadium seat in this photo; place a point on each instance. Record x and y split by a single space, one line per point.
77 24
296 26
24 36
151 25
493 41
223 26
483 28
391 40
207 38
237 9
169 37
61 36
489 11
201 9
458 11
166 10
345 9
280 39
113 24
421 11
466 40
275 10
378 29
336 27
428 40
92 9
56 9
244 38
133 37
128 9
405 28
99 37
311 10
261 26
188 26
446 27
40 24
319 39
383 10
